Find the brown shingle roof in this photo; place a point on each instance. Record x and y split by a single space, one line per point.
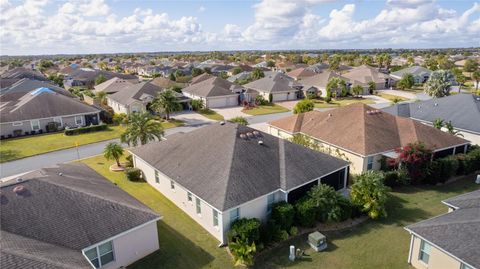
300 73
362 129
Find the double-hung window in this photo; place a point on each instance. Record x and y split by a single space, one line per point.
215 218
189 197
270 201
464 266
101 254
157 177
234 214
370 163
198 205
78 120
172 185
35 125
424 254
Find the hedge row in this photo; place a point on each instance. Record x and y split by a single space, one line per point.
442 169
87 129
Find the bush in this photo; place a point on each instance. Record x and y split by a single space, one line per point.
442 169
270 98
369 193
239 120
119 118
391 179
197 104
293 231
327 99
304 106
133 174
346 208
283 235
305 212
326 202
87 129
129 162
245 230
260 100
269 232
312 96
283 214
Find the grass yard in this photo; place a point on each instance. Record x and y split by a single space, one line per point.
172 123
265 109
183 243
17 148
208 113
342 102
391 97
374 244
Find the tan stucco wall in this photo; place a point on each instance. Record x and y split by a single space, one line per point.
134 245
438 259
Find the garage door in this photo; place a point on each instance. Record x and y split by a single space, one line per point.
217 102
279 97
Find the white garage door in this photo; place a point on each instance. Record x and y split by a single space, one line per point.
279 97
223 102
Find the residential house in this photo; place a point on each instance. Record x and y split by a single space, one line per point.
364 136
21 72
243 67
33 112
280 86
240 76
317 84
133 97
85 77
318 68
449 240
112 85
300 73
223 172
363 75
26 85
165 82
215 92
461 110
420 74
71 217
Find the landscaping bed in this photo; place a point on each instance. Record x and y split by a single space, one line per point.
342 102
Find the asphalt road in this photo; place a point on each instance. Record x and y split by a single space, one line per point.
85 151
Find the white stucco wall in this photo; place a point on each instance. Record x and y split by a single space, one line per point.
438 259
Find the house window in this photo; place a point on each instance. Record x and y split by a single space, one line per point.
78 120
17 123
58 120
157 177
370 163
35 124
172 185
101 254
215 218
270 201
199 208
234 214
464 266
189 197
424 254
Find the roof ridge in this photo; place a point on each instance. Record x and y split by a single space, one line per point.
229 171
282 166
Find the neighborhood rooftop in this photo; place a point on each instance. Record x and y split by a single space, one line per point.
233 164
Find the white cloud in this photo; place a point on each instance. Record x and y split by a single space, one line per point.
201 9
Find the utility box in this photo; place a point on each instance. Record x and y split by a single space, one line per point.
317 241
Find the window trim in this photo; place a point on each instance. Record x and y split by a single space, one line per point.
198 206
238 214
423 251
17 123
98 256
32 125
189 197
157 177
370 160
215 218
172 185
81 120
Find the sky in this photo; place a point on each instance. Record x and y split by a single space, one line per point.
34 27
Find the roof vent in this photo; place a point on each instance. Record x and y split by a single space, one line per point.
60 174
329 114
19 189
436 104
256 133
260 142
250 135
243 136
222 123
19 179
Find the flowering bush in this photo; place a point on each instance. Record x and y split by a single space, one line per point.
415 157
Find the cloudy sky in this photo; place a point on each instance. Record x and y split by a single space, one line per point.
100 26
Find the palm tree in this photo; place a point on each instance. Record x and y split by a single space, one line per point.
439 83
141 127
452 130
242 252
166 102
438 123
113 151
102 97
370 194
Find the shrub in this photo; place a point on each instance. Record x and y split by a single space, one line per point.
260 100
304 106
270 98
129 162
197 104
390 179
242 252
245 230
133 174
283 235
346 208
370 193
283 214
87 129
311 95
293 231
119 118
327 99
305 210
442 169
326 201
269 232
239 120
416 158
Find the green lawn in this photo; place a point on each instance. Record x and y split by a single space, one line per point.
17 148
183 243
374 244
391 97
265 109
208 113
342 102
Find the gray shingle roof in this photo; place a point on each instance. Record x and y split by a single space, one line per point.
467 200
463 110
42 105
22 72
277 82
414 70
129 93
456 232
212 86
225 170
27 85
63 212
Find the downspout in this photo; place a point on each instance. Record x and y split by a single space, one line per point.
411 249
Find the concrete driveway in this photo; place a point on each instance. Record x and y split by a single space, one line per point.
191 118
231 112
288 104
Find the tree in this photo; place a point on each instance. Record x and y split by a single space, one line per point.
100 79
303 106
141 127
102 97
196 72
166 102
387 60
370 194
334 62
406 82
257 73
470 65
326 200
172 77
372 87
357 90
438 123
57 79
476 77
415 157
113 151
242 252
197 104
270 63
239 120
335 85
439 83
237 70
452 130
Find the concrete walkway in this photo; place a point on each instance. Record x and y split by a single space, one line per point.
231 112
